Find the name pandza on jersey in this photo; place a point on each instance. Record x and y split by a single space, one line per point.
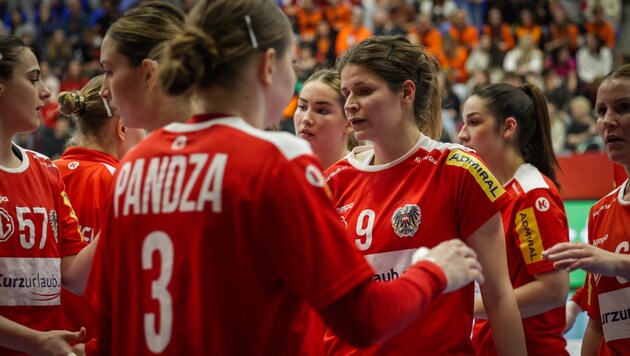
183 183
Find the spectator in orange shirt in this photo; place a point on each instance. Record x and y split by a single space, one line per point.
324 44
424 33
452 59
600 27
337 14
462 32
561 31
308 16
353 33
528 27
290 9
499 31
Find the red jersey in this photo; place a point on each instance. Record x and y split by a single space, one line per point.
434 193
38 227
619 175
220 240
534 221
607 297
87 175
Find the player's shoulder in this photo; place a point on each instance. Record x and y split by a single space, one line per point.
38 160
445 147
463 162
287 144
35 167
455 155
604 204
530 179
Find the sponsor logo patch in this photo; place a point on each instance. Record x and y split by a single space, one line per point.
179 143
6 225
529 235
314 176
542 204
30 281
615 314
482 175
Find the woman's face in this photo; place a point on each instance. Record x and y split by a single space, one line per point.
123 86
372 108
23 96
479 130
319 117
494 17
613 118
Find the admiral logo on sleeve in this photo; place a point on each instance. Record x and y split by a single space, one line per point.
479 171
529 235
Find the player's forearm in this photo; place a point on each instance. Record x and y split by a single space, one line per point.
507 330
373 312
622 266
547 292
75 270
592 338
17 337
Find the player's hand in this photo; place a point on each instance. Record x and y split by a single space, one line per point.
459 263
79 349
56 342
573 255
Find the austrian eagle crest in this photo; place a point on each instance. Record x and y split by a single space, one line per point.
406 220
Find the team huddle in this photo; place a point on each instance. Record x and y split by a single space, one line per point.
363 235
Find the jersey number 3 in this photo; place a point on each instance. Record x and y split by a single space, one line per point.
159 242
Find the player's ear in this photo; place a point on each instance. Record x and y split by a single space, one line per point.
408 92
266 67
150 70
509 128
120 130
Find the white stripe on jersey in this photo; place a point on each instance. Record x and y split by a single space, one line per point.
622 188
530 178
109 167
290 145
25 161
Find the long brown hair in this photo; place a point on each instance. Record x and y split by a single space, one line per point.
527 105
141 30
219 38
395 60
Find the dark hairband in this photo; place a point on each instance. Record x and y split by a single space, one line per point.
390 51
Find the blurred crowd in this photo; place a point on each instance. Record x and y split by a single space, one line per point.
562 46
